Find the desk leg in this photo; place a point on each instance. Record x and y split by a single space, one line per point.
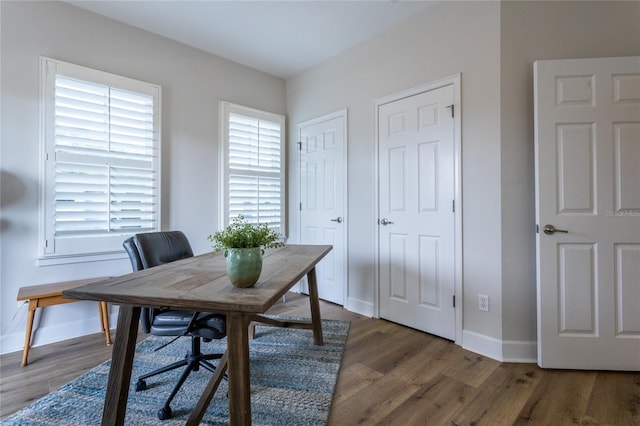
115 403
316 320
33 305
238 365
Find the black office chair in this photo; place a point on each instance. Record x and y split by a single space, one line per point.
153 249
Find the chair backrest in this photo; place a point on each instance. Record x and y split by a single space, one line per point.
132 251
153 249
158 248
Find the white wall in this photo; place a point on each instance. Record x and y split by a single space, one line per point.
531 31
193 83
448 38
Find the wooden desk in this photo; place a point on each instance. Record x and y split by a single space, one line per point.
201 284
43 295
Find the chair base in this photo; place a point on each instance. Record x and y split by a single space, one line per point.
192 361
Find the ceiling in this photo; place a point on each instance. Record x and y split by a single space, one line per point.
281 38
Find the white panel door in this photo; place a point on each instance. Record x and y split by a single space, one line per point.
416 225
587 142
323 205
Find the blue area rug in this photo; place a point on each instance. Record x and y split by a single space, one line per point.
292 383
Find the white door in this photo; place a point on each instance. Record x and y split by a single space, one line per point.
587 142
416 216
323 188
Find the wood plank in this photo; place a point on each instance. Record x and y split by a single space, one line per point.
353 379
432 403
373 402
472 369
614 400
386 351
561 397
429 358
41 291
504 394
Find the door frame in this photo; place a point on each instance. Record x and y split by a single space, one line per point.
342 113
453 80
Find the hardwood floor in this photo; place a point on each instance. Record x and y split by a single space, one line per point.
390 375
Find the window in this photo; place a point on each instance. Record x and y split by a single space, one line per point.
253 169
101 145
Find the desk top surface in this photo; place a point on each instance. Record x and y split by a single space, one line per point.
200 283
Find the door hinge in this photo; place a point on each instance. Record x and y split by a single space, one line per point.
46 243
453 109
300 206
454 300
537 228
299 146
453 206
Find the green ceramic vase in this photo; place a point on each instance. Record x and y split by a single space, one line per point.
244 265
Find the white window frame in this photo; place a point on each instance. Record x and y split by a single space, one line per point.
84 247
227 108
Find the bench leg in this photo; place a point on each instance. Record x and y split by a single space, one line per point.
33 305
104 321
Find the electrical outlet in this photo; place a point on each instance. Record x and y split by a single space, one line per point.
483 302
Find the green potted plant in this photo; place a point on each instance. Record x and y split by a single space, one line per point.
243 244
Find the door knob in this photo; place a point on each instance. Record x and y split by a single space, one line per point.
550 230
384 221
337 219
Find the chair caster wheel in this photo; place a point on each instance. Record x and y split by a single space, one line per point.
141 385
164 413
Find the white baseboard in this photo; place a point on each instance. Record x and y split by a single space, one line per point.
55 333
520 351
500 350
481 344
359 307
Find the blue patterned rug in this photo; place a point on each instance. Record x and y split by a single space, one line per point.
292 383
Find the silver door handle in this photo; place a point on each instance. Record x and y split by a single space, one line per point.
550 230
384 221
337 219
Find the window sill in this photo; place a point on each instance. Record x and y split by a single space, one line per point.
63 260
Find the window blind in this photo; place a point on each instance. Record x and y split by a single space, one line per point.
101 161
104 157
255 170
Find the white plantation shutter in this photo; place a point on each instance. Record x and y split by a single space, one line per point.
254 166
102 159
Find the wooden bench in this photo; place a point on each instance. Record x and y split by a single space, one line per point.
40 296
